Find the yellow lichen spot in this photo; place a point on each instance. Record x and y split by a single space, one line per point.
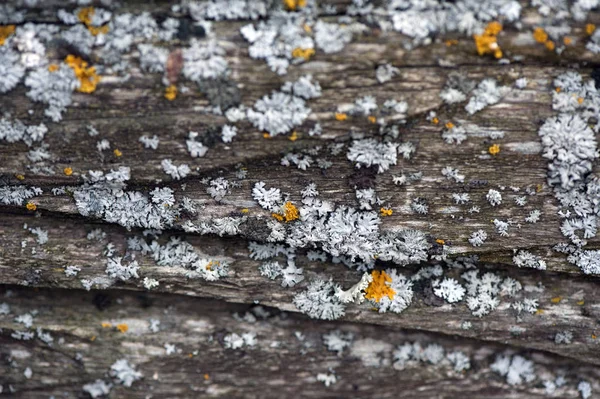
494 149
558 89
53 67
290 212
580 100
106 325
293 5
245 210
206 377
567 40
307 28
449 125
68 171
372 119
93 338
305 53
88 79
31 206
85 15
540 35
386 212
539 187
171 92
539 311
451 42
590 28
440 241
266 135
556 299
117 152
96 30
20 177
487 43
435 120
341 116
581 303
593 336
550 45
293 136
277 216
122 327
379 287
5 32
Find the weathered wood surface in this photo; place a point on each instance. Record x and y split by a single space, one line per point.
196 314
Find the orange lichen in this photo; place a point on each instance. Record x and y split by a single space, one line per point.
93 338
245 210
171 92
550 45
85 15
341 116
372 119
386 212
290 212
305 53
435 120
540 35
293 5
5 32
556 299
96 30
451 42
440 241
293 136
206 377
68 171
117 152
558 89
494 149
379 286
20 177
487 42
593 336
567 40
307 28
449 125
580 100
88 79
106 325
31 206
266 136
590 28
277 216
122 327
53 67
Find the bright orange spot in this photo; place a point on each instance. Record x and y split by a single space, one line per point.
293 136
293 5
277 216
556 299
487 43
106 325
5 32
379 287
435 120
31 206
449 125
372 119
290 212
386 212
190 355
567 40
340 116
96 30
117 152
88 79
440 241
580 100
53 67
122 327
93 338
245 210
558 89
85 15
299 52
590 28
451 42
307 28
20 177
171 92
494 149
68 171
593 336
266 135
550 45
540 35
206 377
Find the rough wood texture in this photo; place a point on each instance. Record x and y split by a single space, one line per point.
195 315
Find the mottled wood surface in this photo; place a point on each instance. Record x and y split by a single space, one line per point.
195 315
